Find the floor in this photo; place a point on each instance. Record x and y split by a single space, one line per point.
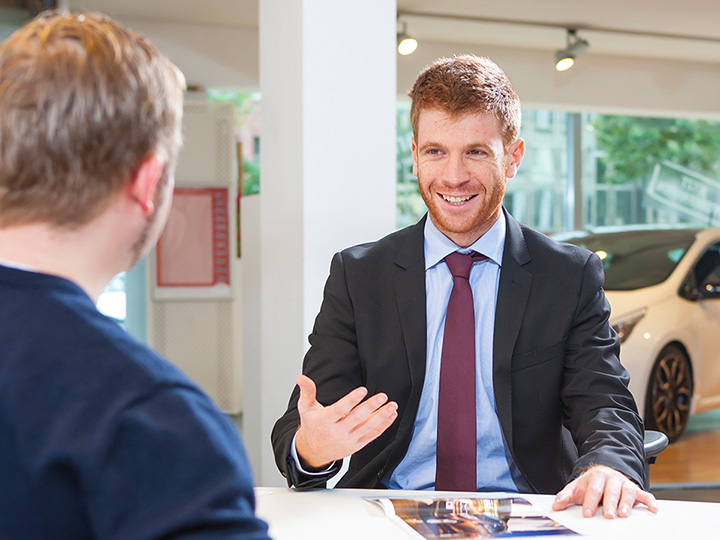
690 467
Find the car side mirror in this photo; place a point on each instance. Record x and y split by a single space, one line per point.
689 293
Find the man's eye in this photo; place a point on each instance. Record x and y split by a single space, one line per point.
433 151
476 152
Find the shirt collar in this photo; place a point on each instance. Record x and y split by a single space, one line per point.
16 265
438 246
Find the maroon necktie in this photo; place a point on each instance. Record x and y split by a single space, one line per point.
456 425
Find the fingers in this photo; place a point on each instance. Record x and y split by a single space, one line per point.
360 412
627 501
633 495
364 421
600 484
342 407
648 499
377 423
610 495
308 393
565 497
339 409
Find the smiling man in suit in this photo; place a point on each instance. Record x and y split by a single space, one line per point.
484 345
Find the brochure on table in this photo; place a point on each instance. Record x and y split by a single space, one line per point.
470 518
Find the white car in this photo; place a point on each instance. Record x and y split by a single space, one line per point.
663 286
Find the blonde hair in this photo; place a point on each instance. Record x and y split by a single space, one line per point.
83 100
467 84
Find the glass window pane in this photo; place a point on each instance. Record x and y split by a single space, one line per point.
645 170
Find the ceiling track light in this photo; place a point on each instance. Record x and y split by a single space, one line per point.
565 58
405 44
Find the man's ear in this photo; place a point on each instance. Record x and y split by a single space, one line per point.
514 157
144 183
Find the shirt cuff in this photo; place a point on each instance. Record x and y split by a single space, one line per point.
294 454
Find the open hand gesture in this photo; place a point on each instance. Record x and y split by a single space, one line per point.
327 434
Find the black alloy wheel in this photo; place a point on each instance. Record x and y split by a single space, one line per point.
669 393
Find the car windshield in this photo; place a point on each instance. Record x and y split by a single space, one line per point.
636 259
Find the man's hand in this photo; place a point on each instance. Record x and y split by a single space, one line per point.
334 432
599 483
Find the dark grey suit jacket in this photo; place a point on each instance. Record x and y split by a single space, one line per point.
560 390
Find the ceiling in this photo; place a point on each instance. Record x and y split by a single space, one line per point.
235 13
655 28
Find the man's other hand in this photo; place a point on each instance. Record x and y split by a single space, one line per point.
599 484
327 434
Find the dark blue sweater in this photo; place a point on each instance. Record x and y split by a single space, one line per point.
100 437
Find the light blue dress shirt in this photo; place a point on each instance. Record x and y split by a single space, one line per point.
495 468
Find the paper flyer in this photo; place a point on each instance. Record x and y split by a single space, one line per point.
470 518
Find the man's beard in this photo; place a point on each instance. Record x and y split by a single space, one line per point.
139 248
492 202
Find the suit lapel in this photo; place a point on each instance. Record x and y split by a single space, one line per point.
410 298
513 292
409 283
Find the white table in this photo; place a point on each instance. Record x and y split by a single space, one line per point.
342 514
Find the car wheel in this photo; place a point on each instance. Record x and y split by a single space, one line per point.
669 393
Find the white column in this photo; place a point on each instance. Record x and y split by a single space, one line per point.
327 78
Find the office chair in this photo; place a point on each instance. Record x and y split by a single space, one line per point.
654 443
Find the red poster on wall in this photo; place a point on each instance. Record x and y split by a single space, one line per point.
193 254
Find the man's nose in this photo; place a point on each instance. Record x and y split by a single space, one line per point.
456 173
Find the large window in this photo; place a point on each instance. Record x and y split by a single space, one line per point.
617 170
650 170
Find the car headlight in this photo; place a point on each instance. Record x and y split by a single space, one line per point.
624 326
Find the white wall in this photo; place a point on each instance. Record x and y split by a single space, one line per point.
209 56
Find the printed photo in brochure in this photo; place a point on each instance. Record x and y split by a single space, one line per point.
470 518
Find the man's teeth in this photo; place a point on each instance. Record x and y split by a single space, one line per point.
456 200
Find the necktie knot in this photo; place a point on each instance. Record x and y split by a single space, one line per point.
460 263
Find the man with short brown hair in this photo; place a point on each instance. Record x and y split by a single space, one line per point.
100 436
